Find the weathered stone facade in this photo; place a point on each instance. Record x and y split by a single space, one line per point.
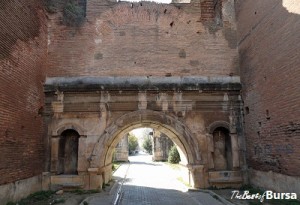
188 110
121 152
161 146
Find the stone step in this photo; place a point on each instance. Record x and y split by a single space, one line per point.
67 182
222 179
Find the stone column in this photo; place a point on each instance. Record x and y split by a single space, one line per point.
106 173
95 179
157 149
210 150
54 154
82 159
234 139
121 151
235 151
197 176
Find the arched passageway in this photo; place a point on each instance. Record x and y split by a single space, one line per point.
187 110
102 155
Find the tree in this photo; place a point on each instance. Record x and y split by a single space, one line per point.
132 143
174 156
147 145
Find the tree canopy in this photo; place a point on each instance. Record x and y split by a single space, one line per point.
132 143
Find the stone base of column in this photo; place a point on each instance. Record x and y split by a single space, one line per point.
95 179
198 178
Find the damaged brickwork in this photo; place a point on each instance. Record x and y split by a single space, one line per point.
269 56
146 39
23 54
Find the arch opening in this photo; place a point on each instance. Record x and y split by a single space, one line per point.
161 147
150 141
185 154
102 154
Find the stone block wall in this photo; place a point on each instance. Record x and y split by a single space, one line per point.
268 33
23 53
146 39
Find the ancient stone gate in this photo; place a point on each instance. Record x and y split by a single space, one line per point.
201 115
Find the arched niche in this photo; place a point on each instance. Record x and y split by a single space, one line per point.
222 154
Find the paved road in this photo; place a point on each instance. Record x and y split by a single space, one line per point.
152 183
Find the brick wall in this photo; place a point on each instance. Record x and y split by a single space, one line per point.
269 55
23 53
146 39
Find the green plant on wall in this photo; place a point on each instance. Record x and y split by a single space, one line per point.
73 14
73 10
53 6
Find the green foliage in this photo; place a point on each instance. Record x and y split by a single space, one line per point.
116 165
58 201
53 6
132 143
81 191
174 156
73 14
35 197
251 189
147 145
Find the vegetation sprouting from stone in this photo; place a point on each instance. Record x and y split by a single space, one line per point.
36 197
174 156
73 11
73 14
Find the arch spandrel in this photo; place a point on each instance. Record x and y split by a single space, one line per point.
172 127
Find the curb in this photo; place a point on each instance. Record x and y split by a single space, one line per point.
213 194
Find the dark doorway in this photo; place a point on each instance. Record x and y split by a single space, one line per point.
68 152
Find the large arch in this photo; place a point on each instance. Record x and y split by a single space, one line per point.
172 127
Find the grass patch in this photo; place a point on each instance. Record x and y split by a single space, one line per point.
184 182
81 191
58 201
173 166
33 198
116 165
251 189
